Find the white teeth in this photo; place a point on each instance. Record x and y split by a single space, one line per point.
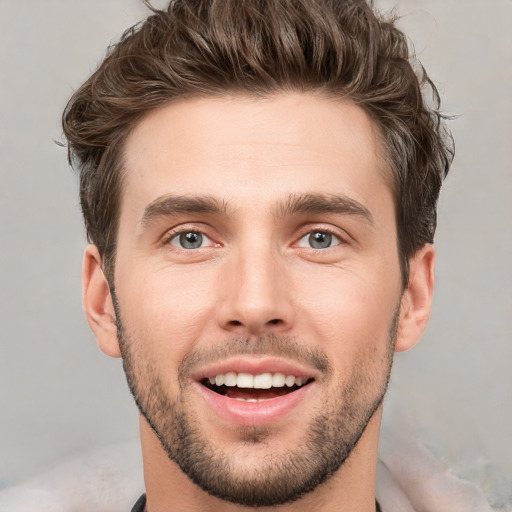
263 381
278 380
260 381
230 379
251 399
245 380
289 381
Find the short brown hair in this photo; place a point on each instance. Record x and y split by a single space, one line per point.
197 48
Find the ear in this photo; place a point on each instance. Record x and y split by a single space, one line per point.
98 304
416 301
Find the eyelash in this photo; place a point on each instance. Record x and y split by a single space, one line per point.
325 230
170 236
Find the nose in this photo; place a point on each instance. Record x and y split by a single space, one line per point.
255 294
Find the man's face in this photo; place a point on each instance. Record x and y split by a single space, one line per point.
257 247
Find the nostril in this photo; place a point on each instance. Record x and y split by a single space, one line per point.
237 323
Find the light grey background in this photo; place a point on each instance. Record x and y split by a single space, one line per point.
60 395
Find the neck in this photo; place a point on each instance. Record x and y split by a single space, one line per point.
351 488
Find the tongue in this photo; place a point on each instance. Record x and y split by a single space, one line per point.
257 394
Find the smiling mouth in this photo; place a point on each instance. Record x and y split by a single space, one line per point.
255 388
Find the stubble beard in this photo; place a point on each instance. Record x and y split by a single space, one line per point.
280 478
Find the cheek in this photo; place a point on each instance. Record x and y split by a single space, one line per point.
347 311
167 311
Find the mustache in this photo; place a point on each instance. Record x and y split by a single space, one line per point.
268 344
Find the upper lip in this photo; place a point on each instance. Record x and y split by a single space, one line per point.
256 365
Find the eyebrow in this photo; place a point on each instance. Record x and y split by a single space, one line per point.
169 205
322 203
302 204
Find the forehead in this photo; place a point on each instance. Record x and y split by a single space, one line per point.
253 151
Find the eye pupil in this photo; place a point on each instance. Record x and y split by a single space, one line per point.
191 240
320 240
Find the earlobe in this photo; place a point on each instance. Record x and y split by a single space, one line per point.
98 305
416 302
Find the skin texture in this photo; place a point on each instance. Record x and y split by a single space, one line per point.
257 290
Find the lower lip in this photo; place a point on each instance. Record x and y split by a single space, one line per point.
254 414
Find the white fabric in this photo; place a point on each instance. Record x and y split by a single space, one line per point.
105 480
409 479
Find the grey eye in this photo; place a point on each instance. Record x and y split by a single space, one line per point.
188 240
320 240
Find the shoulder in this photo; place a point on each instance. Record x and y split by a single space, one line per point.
410 478
106 479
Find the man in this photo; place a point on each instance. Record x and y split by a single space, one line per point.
259 181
